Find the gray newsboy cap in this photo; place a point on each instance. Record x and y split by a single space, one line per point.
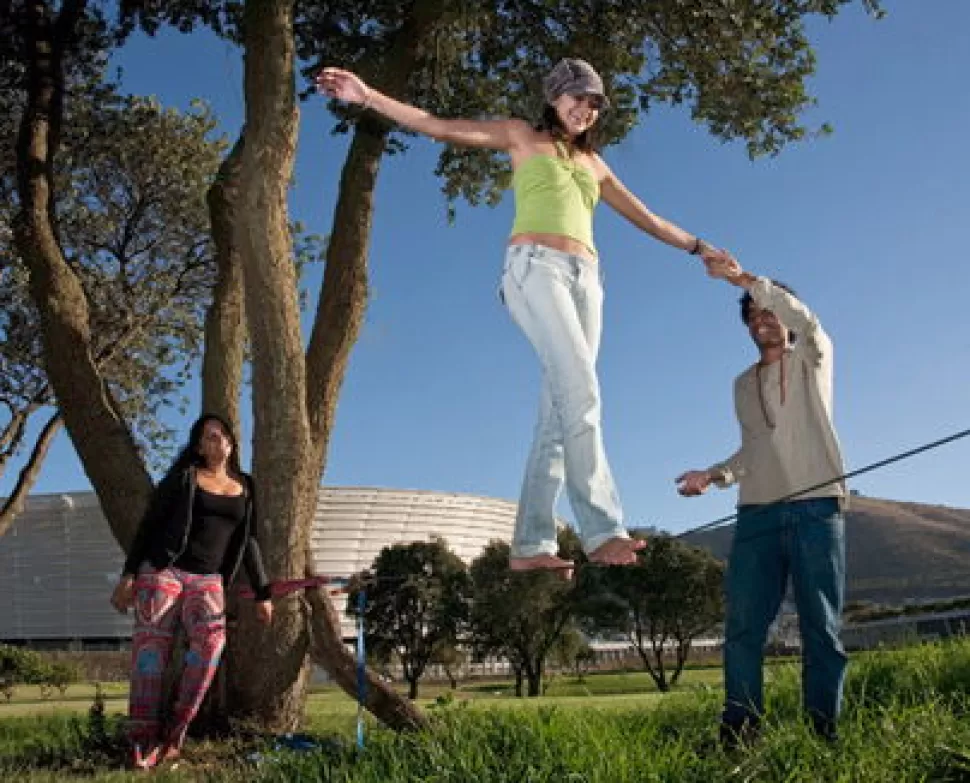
573 76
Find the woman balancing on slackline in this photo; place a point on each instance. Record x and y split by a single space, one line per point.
551 287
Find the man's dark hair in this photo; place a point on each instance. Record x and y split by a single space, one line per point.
747 300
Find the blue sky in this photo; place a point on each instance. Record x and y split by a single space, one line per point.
868 225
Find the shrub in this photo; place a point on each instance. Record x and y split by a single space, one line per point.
20 666
58 676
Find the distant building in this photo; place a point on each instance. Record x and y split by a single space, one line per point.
59 561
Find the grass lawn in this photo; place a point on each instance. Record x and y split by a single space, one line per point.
326 699
905 720
27 700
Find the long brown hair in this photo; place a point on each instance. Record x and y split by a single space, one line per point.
550 122
189 455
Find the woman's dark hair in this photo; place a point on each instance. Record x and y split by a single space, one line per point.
586 141
747 300
189 455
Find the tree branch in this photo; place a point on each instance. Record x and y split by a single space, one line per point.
13 434
262 236
329 650
343 294
102 440
14 504
225 321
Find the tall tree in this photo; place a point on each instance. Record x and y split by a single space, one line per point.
673 595
416 605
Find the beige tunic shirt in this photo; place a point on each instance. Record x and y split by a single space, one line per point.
792 446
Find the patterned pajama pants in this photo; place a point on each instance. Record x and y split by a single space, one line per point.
162 600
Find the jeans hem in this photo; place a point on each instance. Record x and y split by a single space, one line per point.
590 544
534 550
736 714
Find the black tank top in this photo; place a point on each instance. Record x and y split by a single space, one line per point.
214 520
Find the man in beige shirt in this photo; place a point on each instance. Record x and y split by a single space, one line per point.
788 444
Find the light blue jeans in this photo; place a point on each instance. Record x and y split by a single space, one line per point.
556 299
803 540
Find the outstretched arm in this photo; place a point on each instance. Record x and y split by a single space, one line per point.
619 197
723 475
790 310
491 134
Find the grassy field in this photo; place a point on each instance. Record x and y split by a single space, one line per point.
329 700
907 718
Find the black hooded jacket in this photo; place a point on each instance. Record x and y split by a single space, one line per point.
164 533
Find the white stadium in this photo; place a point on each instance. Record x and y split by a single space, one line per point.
59 561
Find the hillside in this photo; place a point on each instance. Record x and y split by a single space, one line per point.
897 552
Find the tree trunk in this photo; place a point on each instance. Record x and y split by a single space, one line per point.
222 370
535 684
293 419
30 472
100 436
413 671
660 676
340 312
267 671
534 675
683 652
647 663
225 326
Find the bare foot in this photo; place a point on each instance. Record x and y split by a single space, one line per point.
144 761
617 551
543 562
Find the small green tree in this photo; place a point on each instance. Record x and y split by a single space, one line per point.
572 653
452 659
670 597
62 675
519 615
20 666
416 605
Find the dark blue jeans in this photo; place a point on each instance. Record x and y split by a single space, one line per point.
803 539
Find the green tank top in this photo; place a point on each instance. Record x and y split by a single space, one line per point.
555 195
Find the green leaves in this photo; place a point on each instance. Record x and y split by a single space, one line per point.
740 66
416 604
130 194
421 603
673 595
517 615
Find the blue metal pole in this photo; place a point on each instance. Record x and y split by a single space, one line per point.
361 667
